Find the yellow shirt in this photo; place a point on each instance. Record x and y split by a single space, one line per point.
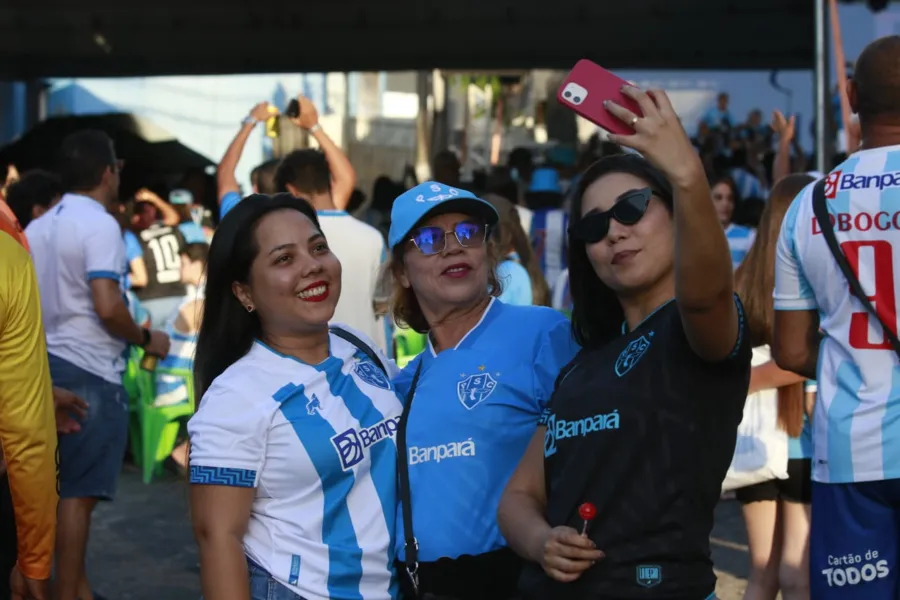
27 419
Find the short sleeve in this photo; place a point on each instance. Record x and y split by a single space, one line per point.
792 290
228 436
403 379
556 350
228 201
133 248
104 250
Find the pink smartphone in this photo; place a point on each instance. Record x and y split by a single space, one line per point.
585 89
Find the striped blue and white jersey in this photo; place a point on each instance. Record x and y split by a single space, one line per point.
740 239
562 297
172 389
549 240
317 444
856 423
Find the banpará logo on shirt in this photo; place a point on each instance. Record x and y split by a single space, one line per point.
632 353
838 181
371 374
475 389
352 444
561 429
441 452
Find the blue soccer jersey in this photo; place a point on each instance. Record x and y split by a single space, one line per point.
475 409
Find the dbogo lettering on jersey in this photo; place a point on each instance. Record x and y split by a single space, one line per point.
442 452
352 444
838 181
560 429
860 221
853 569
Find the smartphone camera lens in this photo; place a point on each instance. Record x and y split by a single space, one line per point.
567 95
576 99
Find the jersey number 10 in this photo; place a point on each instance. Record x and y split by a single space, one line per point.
883 300
166 257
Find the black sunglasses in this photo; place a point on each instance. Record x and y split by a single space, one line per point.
433 240
628 210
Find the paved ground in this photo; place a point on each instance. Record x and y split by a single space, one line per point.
142 549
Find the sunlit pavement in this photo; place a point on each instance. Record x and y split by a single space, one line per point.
142 548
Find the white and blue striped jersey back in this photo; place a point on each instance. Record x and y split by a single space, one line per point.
856 424
740 240
317 443
549 231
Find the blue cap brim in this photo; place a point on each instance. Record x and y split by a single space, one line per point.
475 207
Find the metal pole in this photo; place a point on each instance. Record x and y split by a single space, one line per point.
423 137
823 160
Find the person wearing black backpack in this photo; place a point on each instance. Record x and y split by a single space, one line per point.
836 321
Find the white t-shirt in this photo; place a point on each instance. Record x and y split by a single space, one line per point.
361 250
75 242
317 443
856 424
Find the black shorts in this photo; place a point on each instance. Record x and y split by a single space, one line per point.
796 488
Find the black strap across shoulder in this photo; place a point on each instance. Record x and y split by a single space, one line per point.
411 544
820 209
360 345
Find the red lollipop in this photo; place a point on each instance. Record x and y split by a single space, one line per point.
588 512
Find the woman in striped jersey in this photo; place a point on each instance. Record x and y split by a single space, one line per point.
292 462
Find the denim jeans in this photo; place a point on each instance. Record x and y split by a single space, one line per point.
264 587
90 459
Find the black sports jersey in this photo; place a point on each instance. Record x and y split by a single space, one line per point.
162 246
644 430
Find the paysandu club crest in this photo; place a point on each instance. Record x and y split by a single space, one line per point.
475 389
632 353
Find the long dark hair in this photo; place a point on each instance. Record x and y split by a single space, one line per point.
597 314
227 330
754 282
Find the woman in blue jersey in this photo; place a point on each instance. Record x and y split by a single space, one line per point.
292 461
726 199
616 493
479 388
777 512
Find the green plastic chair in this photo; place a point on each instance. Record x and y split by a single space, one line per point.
409 344
159 425
130 383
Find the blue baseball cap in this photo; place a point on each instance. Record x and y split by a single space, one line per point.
545 180
433 198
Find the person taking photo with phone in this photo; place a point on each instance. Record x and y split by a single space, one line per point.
615 495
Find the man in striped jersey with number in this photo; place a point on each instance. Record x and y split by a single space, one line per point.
855 539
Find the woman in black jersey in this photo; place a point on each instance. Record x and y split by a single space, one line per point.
641 427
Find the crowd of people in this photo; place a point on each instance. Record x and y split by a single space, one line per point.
526 386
